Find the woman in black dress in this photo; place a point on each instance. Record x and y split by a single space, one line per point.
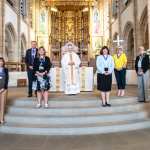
42 79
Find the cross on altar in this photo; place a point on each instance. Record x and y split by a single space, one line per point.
118 41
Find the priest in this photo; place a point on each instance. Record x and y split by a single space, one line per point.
70 65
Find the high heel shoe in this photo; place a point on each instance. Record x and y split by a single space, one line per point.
109 105
104 105
2 122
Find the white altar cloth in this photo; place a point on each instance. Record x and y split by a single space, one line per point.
89 81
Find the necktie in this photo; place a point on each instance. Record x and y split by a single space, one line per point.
32 56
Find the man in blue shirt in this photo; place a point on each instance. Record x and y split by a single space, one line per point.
29 59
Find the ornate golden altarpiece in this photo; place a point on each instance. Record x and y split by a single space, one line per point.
69 26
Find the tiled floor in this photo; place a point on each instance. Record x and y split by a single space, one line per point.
132 140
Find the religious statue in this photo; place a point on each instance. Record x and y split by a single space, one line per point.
42 42
95 16
43 15
97 26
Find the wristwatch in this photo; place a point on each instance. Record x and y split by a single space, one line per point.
122 67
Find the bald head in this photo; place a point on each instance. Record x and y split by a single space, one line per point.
70 49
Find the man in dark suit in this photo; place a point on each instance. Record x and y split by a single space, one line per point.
29 59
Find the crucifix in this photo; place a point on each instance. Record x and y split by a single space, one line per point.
118 41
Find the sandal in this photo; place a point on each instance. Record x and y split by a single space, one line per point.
46 106
38 106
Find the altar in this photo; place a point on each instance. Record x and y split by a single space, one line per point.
85 78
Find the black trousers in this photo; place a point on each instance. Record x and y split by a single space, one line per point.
30 80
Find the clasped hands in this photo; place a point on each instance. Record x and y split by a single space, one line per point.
119 69
41 74
71 63
140 73
106 73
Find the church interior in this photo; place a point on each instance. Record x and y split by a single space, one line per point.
79 122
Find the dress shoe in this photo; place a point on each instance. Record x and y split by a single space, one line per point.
104 105
30 95
109 105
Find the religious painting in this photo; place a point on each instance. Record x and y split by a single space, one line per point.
97 43
96 22
43 41
43 21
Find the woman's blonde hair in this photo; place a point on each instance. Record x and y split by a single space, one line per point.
119 47
38 55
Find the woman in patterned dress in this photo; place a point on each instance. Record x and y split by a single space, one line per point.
42 79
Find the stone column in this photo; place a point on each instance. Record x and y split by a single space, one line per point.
102 19
17 48
110 27
90 32
120 8
49 28
29 20
137 34
148 7
37 9
33 15
2 28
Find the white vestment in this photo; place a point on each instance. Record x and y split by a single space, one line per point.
71 73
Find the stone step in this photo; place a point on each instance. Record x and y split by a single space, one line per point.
76 119
72 102
76 110
32 129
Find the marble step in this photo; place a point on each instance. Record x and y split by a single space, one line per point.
76 119
72 102
32 129
76 110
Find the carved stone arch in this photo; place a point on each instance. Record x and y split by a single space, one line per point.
23 44
128 37
10 28
115 36
10 41
144 28
128 27
114 44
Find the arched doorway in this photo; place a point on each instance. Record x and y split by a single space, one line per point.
23 46
146 39
114 43
130 45
8 45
